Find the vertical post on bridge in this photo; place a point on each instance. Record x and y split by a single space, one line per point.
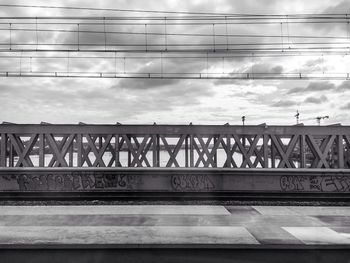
228 151
11 159
100 142
302 151
340 151
266 150
80 149
3 147
186 151
244 145
215 154
154 150
129 151
117 162
158 151
71 152
273 155
191 150
41 150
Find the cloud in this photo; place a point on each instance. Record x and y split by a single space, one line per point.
154 68
346 107
163 97
334 7
320 86
296 90
345 86
339 8
284 103
57 101
246 69
170 100
313 86
315 65
265 68
316 100
143 84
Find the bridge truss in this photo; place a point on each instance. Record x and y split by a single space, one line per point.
46 145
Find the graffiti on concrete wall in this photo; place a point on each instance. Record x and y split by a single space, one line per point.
181 182
315 183
76 181
194 182
292 183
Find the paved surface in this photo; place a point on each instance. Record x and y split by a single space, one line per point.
174 225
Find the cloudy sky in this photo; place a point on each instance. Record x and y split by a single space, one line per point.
174 101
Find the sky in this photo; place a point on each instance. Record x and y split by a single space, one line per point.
176 101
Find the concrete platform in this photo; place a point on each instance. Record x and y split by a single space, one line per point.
169 233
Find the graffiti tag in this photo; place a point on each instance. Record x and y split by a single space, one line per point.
315 183
75 181
192 183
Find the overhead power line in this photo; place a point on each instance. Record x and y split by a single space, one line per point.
178 18
245 52
172 34
161 23
190 47
229 56
165 42
160 11
183 75
116 10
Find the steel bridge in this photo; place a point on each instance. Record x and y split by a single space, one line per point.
124 159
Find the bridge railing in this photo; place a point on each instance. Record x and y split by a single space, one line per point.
46 145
